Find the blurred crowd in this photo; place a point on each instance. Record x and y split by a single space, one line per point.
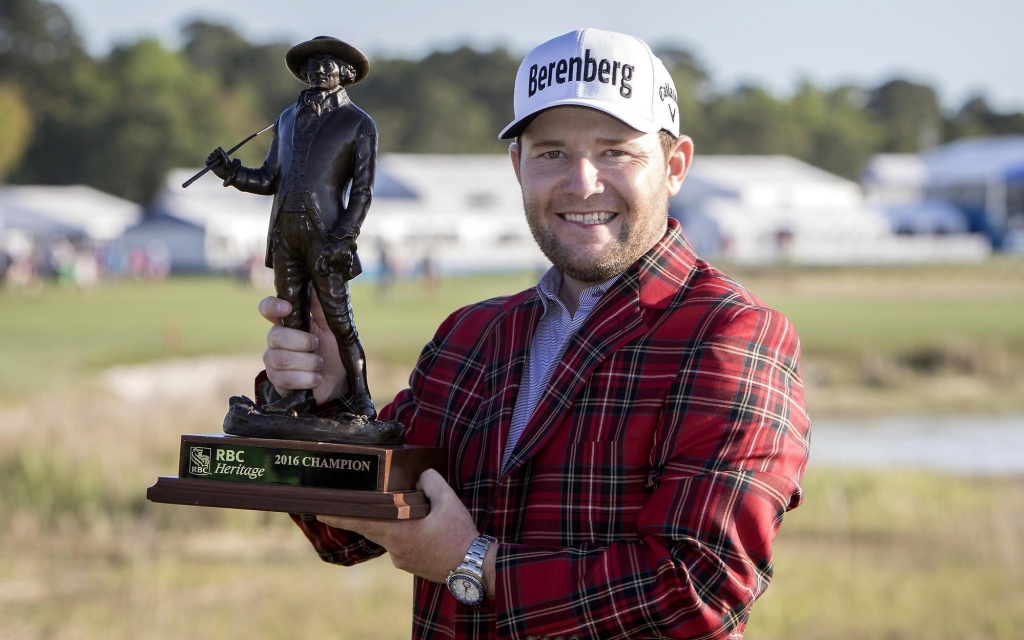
26 264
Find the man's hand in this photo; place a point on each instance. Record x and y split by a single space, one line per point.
298 360
429 547
219 163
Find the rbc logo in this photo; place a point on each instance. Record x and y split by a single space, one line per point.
199 461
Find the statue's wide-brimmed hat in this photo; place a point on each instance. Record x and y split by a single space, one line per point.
298 55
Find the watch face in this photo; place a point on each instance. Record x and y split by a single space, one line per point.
466 589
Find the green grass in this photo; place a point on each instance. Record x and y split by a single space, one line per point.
56 336
827 324
874 340
60 334
898 308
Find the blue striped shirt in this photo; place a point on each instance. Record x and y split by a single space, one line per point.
555 329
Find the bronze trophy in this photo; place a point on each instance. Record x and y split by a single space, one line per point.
286 454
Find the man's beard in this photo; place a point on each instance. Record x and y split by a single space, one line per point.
639 233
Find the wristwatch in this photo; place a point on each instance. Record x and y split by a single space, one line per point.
466 581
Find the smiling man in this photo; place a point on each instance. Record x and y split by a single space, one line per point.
625 438
595 192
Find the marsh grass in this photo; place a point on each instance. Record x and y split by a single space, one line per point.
84 555
891 554
871 554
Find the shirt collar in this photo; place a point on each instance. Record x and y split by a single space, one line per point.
551 282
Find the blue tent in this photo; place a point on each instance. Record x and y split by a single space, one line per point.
1015 175
985 178
975 160
926 217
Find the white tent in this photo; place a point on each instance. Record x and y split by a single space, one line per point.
206 227
76 211
462 213
894 179
775 209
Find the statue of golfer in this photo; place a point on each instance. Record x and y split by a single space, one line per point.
320 171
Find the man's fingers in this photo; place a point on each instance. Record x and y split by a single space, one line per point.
291 339
274 309
293 369
285 360
340 522
441 496
374 530
287 381
433 485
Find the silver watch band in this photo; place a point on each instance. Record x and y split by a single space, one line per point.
474 561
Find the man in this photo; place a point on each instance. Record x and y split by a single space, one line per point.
625 439
323 147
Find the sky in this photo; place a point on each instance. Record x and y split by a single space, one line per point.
960 48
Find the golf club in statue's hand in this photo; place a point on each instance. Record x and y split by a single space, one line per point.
221 165
209 166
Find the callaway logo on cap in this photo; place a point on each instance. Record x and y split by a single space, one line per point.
607 71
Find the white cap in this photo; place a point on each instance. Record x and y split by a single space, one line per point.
607 71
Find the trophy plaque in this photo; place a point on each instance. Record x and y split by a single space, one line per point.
287 453
295 476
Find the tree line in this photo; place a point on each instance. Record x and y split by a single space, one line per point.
119 122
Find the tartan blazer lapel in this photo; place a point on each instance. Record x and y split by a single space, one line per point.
616 321
512 343
652 283
478 438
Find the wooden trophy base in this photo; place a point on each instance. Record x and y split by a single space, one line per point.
400 505
294 476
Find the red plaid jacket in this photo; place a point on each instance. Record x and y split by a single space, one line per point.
644 495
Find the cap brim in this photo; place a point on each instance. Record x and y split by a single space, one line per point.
516 127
